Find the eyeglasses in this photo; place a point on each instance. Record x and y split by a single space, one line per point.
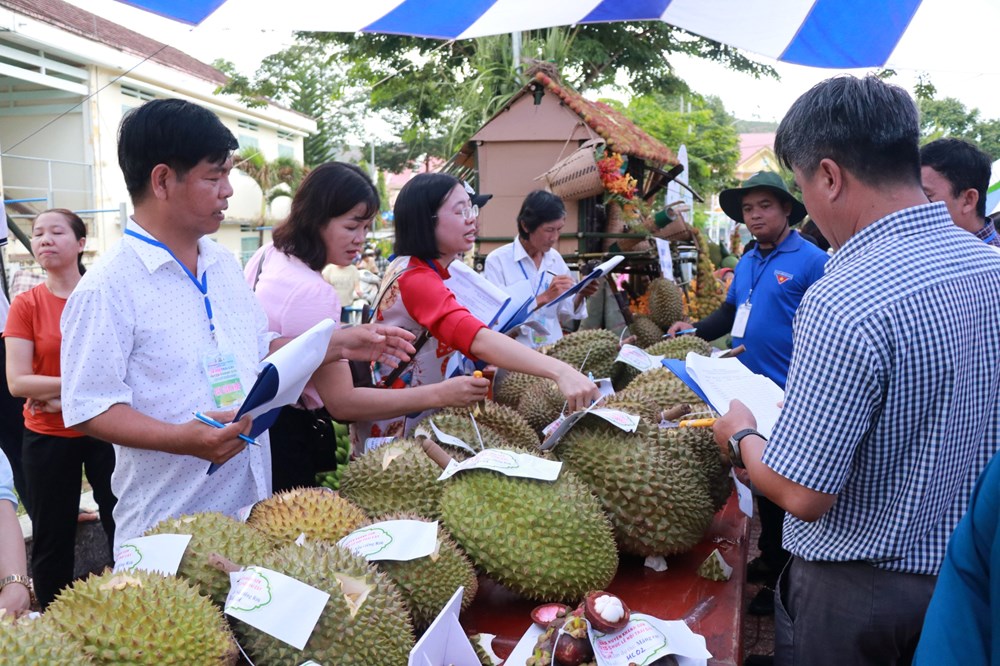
470 213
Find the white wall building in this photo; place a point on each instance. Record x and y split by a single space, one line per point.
66 78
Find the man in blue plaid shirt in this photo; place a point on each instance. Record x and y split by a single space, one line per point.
891 406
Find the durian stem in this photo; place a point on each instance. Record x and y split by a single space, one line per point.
676 412
436 453
735 351
222 564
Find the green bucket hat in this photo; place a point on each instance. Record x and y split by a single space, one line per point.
731 200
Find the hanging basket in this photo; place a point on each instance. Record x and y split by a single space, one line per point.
577 176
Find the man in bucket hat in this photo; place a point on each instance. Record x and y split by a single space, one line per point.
768 283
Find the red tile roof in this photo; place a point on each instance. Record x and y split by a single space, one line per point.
622 134
81 22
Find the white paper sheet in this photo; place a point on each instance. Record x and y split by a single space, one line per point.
396 540
159 553
726 379
483 299
445 643
276 604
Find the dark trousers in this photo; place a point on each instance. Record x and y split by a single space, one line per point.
12 428
772 519
302 444
53 468
837 613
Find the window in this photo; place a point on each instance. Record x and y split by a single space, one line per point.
285 150
247 141
138 93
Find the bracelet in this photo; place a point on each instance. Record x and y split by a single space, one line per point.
20 580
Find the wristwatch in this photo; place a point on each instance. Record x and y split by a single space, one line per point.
735 458
20 580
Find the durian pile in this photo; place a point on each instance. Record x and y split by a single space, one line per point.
708 293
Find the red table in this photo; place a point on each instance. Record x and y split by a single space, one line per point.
712 609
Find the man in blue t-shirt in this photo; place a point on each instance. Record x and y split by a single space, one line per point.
768 285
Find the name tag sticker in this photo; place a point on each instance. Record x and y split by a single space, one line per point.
223 380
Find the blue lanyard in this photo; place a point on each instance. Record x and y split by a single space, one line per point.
202 285
988 239
756 276
541 279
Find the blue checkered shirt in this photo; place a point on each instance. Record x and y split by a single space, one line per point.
892 396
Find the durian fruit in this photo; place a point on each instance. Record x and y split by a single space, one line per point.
645 330
715 567
364 623
511 386
701 442
544 540
143 618
33 642
708 293
213 533
635 403
678 347
397 476
319 513
665 303
428 583
589 351
622 375
649 483
542 404
508 423
457 422
662 387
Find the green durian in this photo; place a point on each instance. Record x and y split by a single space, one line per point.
662 387
541 405
508 423
510 387
544 540
678 347
397 476
645 330
364 623
665 303
143 618
213 533
715 567
589 351
457 422
34 642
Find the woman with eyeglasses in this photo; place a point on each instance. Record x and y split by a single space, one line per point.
436 223
532 257
330 217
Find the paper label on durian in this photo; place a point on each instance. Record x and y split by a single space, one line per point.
646 639
637 358
276 604
624 420
510 463
555 430
373 443
743 494
244 513
398 540
159 553
445 438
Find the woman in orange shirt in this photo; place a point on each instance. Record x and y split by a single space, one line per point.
53 455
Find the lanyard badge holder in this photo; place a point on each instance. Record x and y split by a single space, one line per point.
220 367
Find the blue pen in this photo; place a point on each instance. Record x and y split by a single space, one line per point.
685 332
208 420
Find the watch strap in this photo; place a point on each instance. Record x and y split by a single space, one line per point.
735 453
20 580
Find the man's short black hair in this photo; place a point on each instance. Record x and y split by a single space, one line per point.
172 132
867 126
962 164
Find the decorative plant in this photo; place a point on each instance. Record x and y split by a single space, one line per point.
621 187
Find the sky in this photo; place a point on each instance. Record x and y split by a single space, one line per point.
743 96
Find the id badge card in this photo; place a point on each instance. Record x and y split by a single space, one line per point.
740 322
223 379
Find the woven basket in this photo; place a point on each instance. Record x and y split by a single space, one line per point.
577 176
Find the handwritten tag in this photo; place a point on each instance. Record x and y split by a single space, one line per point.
637 358
398 540
605 387
623 420
159 553
552 427
743 495
276 604
509 463
373 443
646 639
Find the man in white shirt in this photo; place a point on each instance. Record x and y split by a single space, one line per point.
164 326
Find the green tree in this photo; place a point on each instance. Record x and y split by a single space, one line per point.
703 125
279 177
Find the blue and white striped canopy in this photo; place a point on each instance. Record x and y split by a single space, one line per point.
839 34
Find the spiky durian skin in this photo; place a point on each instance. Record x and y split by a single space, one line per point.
319 513
645 330
589 351
702 445
213 533
679 347
662 387
509 424
541 404
544 540
395 477
143 618
511 387
428 583
458 423
34 642
380 634
650 484
665 303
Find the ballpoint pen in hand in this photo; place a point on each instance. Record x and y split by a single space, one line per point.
208 420
684 331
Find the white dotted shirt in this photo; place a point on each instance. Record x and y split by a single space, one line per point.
136 331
